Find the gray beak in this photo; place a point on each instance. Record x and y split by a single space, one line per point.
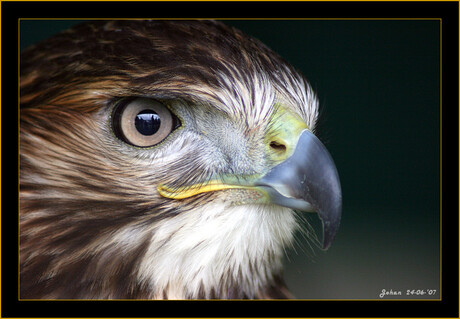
308 181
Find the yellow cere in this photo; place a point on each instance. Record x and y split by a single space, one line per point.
285 129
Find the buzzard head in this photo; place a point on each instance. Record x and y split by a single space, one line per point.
165 159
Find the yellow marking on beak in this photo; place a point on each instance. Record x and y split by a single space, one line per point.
189 191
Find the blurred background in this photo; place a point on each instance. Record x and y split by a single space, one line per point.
378 82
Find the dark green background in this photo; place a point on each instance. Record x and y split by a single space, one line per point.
378 82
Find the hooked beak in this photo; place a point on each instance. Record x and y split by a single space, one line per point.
308 181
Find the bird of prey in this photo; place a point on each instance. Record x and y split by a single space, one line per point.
165 160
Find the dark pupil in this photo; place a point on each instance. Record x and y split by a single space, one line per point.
147 122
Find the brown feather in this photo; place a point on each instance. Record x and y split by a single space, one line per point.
75 193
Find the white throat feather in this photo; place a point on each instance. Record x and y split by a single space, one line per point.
204 252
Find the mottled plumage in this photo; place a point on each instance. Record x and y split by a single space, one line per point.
93 224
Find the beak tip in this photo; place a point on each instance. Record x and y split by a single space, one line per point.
329 234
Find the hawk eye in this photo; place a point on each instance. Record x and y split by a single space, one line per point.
143 122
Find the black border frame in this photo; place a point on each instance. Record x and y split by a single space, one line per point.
447 11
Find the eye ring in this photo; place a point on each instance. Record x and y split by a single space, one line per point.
142 122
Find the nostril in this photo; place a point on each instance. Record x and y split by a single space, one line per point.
278 146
